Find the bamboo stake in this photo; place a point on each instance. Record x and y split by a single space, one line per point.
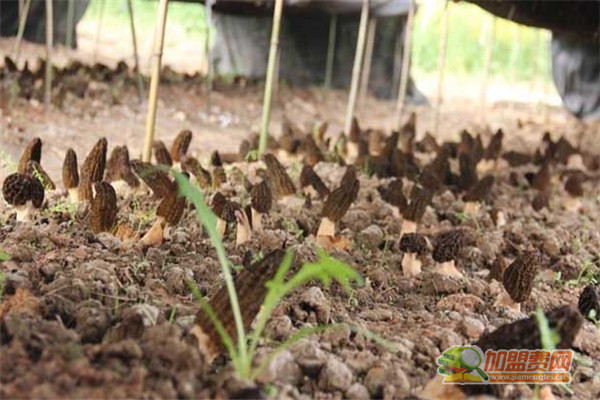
22 22
405 71
159 41
368 57
330 51
207 52
441 67
99 29
272 64
489 55
136 58
356 69
49 41
70 22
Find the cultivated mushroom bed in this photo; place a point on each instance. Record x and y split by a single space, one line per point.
457 242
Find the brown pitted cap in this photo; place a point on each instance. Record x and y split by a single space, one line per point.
262 198
420 198
525 333
308 177
219 177
542 179
215 159
278 177
413 243
171 208
468 171
428 144
492 152
103 209
223 208
92 169
563 150
497 268
157 179
35 170
518 277
392 194
192 165
540 201
70 174
340 200
574 185
313 153
589 300
162 155
33 151
481 190
181 145
16 190
449 243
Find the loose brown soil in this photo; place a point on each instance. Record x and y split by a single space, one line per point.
83 316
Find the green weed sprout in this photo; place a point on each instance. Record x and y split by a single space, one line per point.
326 270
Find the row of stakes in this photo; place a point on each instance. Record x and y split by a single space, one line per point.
360 70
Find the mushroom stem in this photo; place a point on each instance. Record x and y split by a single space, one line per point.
448 268
408 227
505 300
572 204
500 219
155 235
73 195
24 212
352 151
256 220
221 227
326 228
487 165
244 232
472 207
411 265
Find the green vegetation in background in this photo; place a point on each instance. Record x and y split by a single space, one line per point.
468 34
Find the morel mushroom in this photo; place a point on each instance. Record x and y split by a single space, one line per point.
156 179
192 165
280 181
419 200
92 170
168 213
103 208
180 146
589 303
215 159
35 170
312 152
225 212
24 193
262 199
408 133
33 151
243 230
338 202
518 280
492 153
70 175
574 189
119 173
497 268
477 194
219 177
393 195
352 143
448 245
311 183
412 245
161 154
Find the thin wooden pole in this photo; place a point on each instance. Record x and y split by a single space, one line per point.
271 66
330 51
70 23
489 55
405 71
356 69
99 29
368 58
441 67
159 41
207 52
136 58
49 41
22 22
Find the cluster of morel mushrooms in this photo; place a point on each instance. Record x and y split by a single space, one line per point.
427 167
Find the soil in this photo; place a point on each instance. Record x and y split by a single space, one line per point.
84 316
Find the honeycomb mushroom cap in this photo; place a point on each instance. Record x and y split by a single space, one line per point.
261 196
519 276
339 201
33 151
92 170
70 174
35 170
181 145
420 198
162 155
589 300
574 185
192 165
392 194
103 208
448 244
481 190
494 148
215 159
171 208
157 179
413 243
468 171
278 177
308 177
223 208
